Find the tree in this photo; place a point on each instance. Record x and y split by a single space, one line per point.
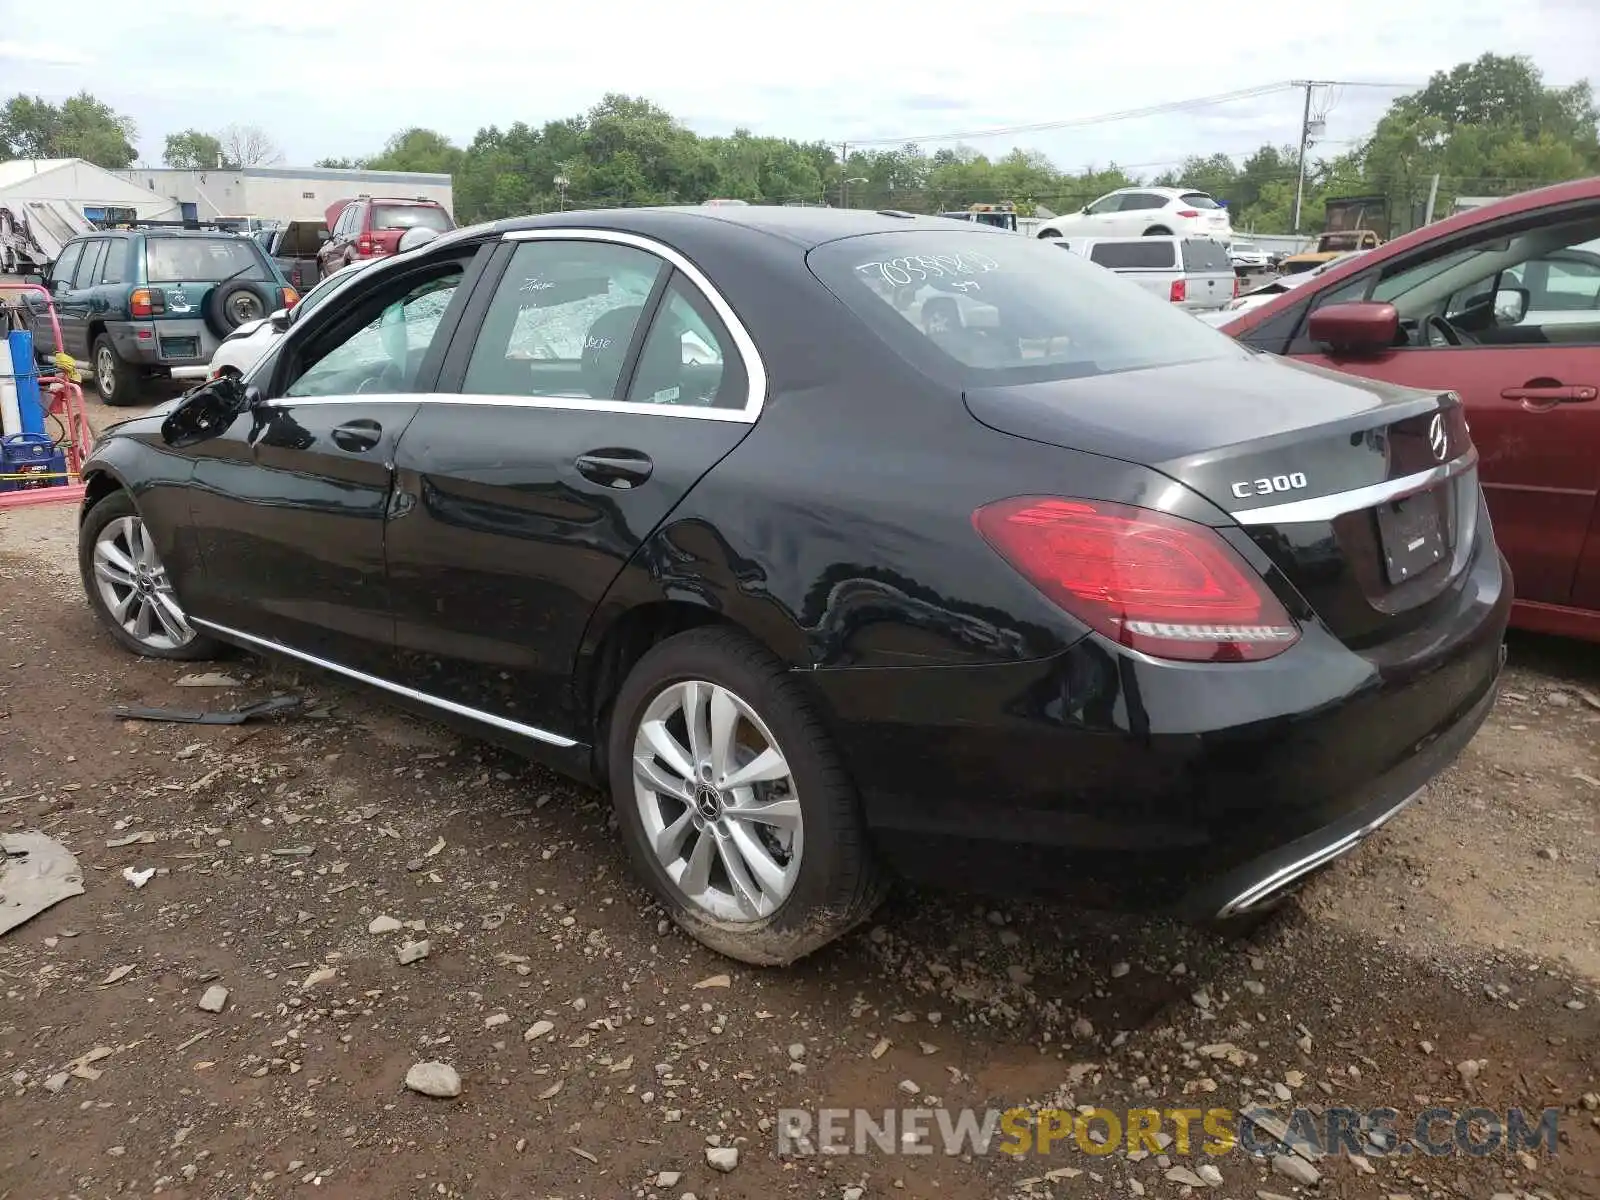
80 127
247 146
342 164
418 149
192 150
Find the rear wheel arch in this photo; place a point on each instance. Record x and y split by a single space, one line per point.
1158 231
1048 232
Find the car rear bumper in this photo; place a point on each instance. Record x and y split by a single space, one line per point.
164 343
1178 788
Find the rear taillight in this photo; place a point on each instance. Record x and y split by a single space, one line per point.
147 302
1155 583
364 245
288 297
1235 287
1187 212
1180 291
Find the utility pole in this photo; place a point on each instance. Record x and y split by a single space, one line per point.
1300 170
1433 197
844 174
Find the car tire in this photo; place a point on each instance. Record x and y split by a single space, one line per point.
231 305
1158 231
115 378
111 537
816 872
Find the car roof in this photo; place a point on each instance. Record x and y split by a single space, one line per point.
806 227
1573 192
1162 191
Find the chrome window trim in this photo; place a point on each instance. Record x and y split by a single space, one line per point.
755 369
450 706
477 400
1337 504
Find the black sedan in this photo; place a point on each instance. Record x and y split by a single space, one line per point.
836 542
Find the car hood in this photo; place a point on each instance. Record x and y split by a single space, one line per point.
1160 414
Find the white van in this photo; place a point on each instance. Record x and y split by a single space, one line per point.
1193 273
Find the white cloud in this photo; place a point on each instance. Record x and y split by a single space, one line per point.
326 80
43 54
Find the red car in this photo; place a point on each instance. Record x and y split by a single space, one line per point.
1501 305
371 227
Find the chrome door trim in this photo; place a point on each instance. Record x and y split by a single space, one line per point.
450 706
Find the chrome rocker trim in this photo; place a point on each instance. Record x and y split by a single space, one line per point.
449 706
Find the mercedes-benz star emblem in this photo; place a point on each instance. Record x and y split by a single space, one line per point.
708 802
1438 440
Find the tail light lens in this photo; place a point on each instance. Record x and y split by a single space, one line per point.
1180 291
1187 212
364 245
1155 583
1236 287
288 297
147 302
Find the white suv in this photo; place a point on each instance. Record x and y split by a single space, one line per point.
1142 211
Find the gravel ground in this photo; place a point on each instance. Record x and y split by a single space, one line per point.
1455 960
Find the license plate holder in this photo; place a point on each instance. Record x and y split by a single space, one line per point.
180 347
1411 536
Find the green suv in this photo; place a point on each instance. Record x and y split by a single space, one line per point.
134 304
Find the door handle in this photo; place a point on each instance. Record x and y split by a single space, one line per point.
1552 394
621 469
357 437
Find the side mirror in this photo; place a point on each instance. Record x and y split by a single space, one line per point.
1511 305
207 411
324 238
1356 327
280 321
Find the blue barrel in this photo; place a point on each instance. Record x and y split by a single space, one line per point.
26 374
31 454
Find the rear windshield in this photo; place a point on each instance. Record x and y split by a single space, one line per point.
982 309
202 260
410 216
1200 254
1142 254
1245 247
1198 200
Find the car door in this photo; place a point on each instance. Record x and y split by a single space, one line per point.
599 378
76 306
1101 217
1138 211
1530 384
288 504
58 282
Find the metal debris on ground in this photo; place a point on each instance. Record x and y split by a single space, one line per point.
275 706
35 872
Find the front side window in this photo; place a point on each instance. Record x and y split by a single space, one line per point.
987 309
67 264
562 320
203 260
384 354
1106 204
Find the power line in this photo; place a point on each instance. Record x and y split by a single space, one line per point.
1152 110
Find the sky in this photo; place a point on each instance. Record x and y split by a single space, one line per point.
330 80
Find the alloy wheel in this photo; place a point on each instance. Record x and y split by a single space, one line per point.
105 371
718 801
134 587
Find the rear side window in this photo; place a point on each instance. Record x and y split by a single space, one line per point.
1198 200
1200 254
562 320
981 309
115 270
1144 254
203 260
688 356
409 216
94 257
1138 200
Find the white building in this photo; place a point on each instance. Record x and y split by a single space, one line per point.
282 193
91 190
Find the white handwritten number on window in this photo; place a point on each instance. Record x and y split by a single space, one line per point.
917 267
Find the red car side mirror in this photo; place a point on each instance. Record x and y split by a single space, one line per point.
1360 325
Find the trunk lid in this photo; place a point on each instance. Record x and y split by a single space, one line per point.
1364 495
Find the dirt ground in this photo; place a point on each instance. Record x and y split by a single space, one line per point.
1453 961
